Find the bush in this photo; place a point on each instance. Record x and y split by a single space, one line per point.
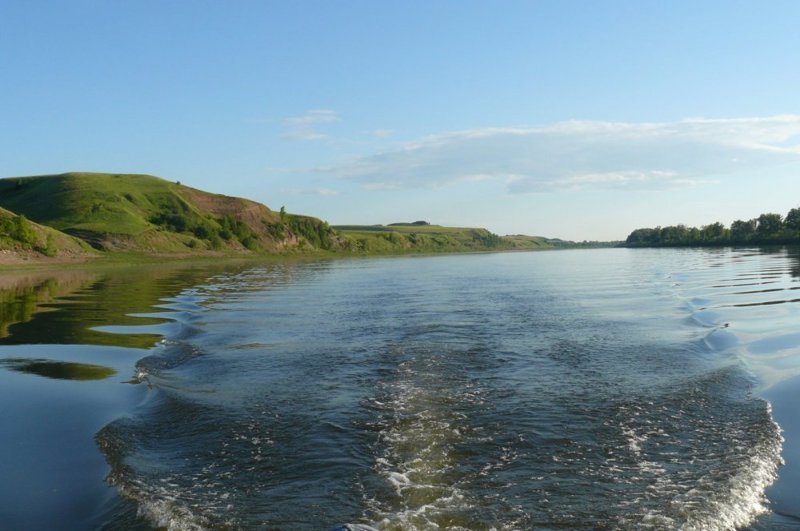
215 241
202 232
250 243
172 222
50 247
276 230
317 233
22 230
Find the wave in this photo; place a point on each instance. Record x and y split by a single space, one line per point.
454 407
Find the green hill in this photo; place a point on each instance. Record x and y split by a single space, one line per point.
422 237
21 237
524 242
146 213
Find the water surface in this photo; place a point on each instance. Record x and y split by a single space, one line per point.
576 389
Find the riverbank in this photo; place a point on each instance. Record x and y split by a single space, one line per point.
31 261
10 258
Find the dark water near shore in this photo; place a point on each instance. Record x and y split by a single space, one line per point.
571 390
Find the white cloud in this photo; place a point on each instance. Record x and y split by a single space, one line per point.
303 134
382 133
580 155
305 127
312 117
311 191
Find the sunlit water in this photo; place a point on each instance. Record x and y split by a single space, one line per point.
573 390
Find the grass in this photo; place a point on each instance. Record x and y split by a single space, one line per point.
404 229
119 204
21 235
95 207
523 242
411 238
97 202
152 215
144 216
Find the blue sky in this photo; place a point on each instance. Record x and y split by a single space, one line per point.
572 119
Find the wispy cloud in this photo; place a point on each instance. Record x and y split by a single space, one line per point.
580 155
381 133
305 127
311 191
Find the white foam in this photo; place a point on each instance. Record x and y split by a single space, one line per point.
418 433
710 506
164 510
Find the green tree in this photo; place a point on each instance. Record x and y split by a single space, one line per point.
792 221
713 233
674 235
769 226
644 237
743 231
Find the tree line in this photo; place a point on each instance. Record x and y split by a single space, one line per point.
765 229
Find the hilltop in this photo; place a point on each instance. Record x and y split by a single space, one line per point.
122 212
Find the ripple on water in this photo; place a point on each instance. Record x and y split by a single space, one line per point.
399 394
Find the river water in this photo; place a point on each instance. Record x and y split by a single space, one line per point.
625 389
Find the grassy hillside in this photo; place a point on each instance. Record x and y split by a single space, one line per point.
142 213
523 242
146 213
531 243
20 236
425 238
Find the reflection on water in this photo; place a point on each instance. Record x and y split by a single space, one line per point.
23 295
592 389
74 307
69 341
793 253
59 370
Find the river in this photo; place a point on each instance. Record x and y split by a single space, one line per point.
616 388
